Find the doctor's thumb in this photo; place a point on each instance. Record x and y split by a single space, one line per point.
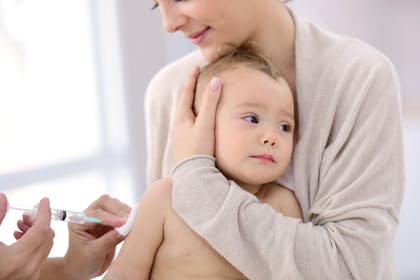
108 241
3 206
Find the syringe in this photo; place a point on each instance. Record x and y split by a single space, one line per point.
56 214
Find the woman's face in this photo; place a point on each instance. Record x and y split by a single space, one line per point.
211 23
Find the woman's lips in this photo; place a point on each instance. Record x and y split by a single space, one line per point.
264 158
198 37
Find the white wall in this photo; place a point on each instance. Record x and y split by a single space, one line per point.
407 241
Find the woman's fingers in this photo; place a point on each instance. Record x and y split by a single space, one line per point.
206 118
186 98
190 135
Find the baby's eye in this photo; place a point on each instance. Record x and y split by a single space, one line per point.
251 119
284 128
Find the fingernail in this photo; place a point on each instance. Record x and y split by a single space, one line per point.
124 218
46 199
215 83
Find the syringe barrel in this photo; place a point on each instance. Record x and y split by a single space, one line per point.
75 217
57 214
67 216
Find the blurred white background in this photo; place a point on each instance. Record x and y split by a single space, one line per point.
72 81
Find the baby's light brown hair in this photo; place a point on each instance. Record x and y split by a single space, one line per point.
231 57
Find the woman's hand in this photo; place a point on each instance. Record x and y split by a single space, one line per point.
24 258
192 135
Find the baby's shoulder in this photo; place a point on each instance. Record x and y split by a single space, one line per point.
276 191
159 192
281 199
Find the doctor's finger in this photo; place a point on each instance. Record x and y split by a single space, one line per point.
23 226
40 234
107 218
43 215
3 206
110 205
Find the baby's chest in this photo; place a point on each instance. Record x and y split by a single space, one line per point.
185 252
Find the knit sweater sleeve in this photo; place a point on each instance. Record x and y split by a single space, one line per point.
160 104
249 234
350 186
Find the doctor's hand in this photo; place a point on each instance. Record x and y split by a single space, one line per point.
191 135
3 206
92 246
24 258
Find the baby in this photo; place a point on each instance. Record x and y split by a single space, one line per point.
254 136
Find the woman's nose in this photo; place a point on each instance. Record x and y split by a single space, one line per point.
172 19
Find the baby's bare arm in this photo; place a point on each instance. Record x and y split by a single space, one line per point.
282 200
136 257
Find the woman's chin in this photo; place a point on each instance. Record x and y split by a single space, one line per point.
206 55
209 53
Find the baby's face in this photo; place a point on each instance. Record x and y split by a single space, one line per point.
254 126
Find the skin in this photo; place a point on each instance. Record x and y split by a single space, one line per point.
23 259
192 17
226 24
199 140
254 128
91 246
160 245
267 23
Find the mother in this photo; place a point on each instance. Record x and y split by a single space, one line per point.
347 169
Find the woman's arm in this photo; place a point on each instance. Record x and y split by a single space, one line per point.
353 192
159 106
